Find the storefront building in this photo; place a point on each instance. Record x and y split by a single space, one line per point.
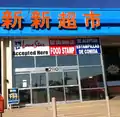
59 53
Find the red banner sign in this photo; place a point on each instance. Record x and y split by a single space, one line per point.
62 47
62 50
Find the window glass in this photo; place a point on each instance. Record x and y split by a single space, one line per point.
45 61
66 60
55 78
91 77
39 96
72 93
25 96
93 94
112 65
89 59
23 62
71 78
21 81
38 79
57 92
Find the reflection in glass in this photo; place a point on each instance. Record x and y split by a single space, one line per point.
91 77
23 62
55 78
67 60
71 78
58 93
38 79
45 61
93 94
89 59
39 95
25 97
21 80
72 93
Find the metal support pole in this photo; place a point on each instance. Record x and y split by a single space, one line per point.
105 84
108 106
54 108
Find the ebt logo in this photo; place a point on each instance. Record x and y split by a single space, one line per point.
17 44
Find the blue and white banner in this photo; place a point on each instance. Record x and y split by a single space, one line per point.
13 97
87 46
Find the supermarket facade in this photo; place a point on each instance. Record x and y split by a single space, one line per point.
69 54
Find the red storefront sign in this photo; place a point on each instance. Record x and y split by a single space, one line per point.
62 50
62 47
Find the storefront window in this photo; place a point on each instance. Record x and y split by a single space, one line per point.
72 93
91 77
23 62
45 61
38 79
71 78
39 86
93 94
25 96
89 59
66 60
55 78
21 80
58 93
39 96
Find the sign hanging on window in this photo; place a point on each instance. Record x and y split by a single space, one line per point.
62 47
34 47
88 46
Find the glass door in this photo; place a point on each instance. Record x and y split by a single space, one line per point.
22 82
56 88
64 85
71 85
39 88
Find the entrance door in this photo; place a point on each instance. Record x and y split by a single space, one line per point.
56 87
64 85
71 85
22 81
39 89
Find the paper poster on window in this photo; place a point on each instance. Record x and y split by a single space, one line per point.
24 83
62 47
88 46
33 47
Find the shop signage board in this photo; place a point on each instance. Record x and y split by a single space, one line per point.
59 22
34 47
62 47
13 97
87 46
41 20
53 47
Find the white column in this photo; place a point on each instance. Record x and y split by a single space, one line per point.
9 64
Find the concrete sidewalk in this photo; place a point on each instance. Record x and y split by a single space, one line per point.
85 109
